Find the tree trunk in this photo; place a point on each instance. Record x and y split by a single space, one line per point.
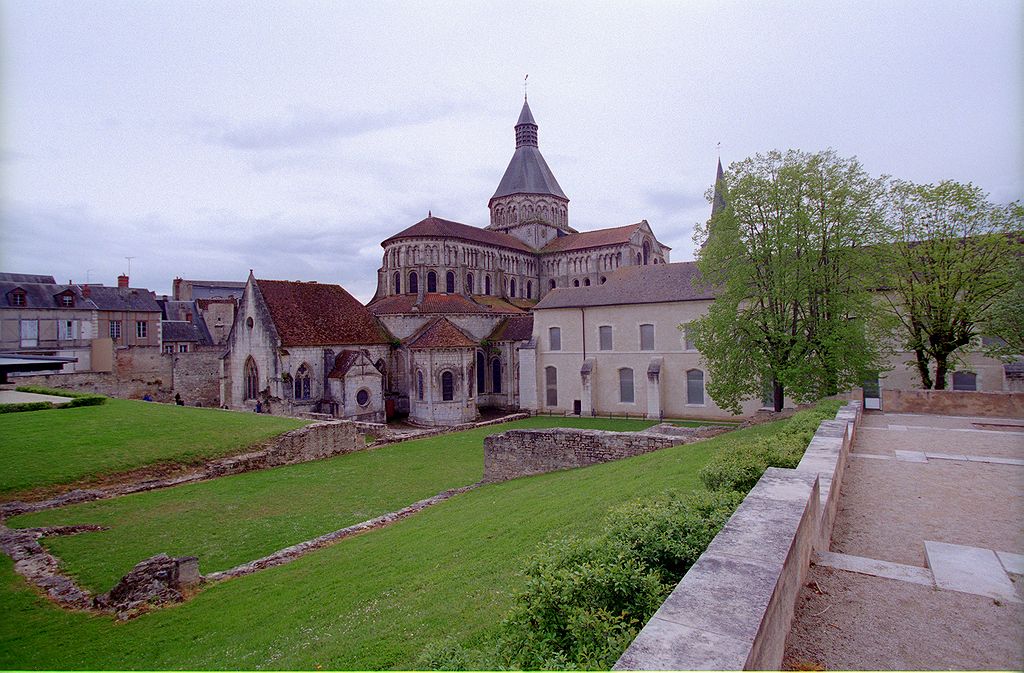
922 369
940 372
778 396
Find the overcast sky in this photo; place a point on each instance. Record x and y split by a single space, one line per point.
205 139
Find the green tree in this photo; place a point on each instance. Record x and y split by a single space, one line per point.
1004 322
951 258
793 309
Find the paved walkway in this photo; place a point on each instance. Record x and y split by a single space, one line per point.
927 555
16 397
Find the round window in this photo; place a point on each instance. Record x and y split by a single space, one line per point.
363 397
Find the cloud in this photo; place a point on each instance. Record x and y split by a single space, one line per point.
674 200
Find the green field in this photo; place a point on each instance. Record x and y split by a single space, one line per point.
57 446
235 519
372 601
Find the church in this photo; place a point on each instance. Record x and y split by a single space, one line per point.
453 302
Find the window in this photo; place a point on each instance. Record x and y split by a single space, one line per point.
248 322
29 333
251 378
481 373
604 333
603 280
639 259
182 348
555 338
626 385
141 329
447 386
551 284
115 329
67 300
688 338
551 384
576 282
469 283
647 337
647 252
414 283
449 282
363 397
18 298
487 285
431 281
301 382
419 385
529 289
398 282
965 381
586 282
512 288
695 387
496 375
169 348
67 330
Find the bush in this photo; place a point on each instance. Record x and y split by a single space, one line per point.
78 399
24 406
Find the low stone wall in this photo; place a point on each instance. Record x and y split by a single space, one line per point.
519 453
954 403
734 608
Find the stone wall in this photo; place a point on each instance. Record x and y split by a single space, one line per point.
518 453
196 375
953 403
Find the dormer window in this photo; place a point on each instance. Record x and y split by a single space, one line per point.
18 298
67 300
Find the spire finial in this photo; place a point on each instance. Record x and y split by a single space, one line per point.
429 214
524 86
719 146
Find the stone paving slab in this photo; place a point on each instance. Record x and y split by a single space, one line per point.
910 456
1013 563
876 568
970 570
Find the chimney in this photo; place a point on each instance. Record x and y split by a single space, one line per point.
122 280
85 291
188 317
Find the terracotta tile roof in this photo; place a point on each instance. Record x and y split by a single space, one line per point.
444 304
435 227
440 333
513 328
651 284
318 314
591 239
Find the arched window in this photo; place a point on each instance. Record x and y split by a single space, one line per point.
551 284
647 337
695 386
301 382
512 287
639 259
647 252
487 285
555 338
586 281
626 385
965 381
431 281
495 375
481 374
603 280
419 384
469 283
252 379
551 386
414 282
449 282
529 289
398 282
447 386
576 282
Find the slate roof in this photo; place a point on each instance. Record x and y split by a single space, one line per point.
41 295
318 314
123 299
180 330
445 304
513 328
440 333
26 278
592 239
435 227
650 284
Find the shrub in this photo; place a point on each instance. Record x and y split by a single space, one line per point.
78 399
15 407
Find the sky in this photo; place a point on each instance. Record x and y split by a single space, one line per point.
205 139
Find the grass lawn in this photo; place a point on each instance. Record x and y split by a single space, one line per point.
370 602
235 519
55 446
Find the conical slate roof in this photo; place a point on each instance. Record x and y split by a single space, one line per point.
528 173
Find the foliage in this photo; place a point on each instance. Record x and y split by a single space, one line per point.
951 257
1004 321
740 466
586 599
56 392
793 309
15 407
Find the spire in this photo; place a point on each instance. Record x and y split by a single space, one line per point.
718 202
526 127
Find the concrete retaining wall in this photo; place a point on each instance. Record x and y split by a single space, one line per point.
734 607
953 403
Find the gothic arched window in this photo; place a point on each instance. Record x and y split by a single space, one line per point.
469 283
414 282
252 379
449 282
431 282
419 384
647 252
529 289
301 382
481 375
